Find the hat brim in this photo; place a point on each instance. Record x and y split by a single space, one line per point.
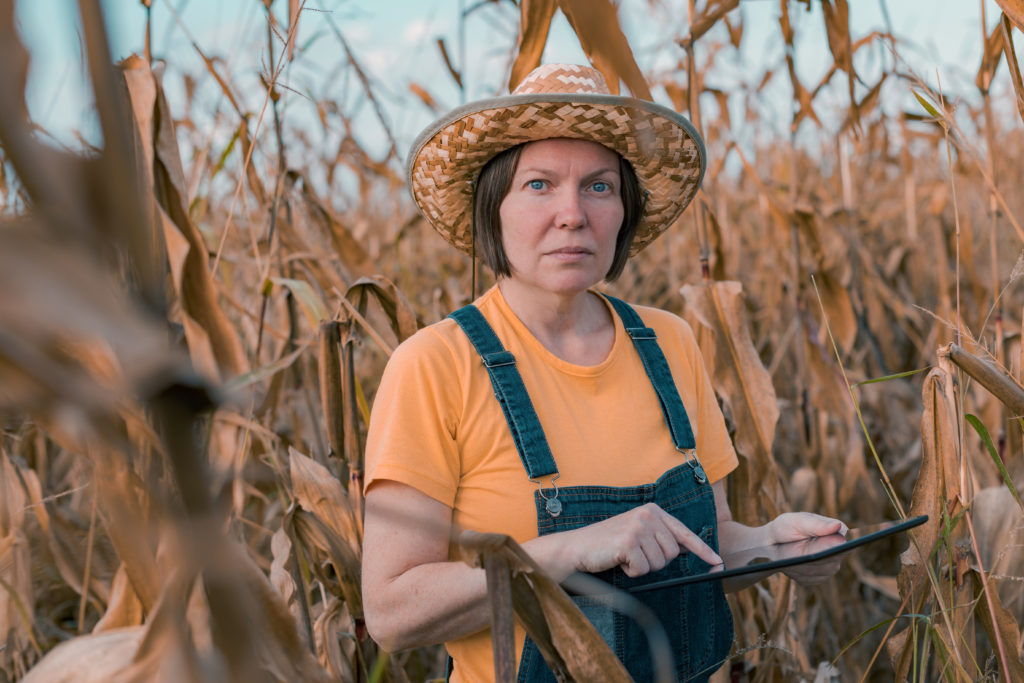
664 148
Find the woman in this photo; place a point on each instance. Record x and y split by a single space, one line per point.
606 450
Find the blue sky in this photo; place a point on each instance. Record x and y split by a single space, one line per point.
395 42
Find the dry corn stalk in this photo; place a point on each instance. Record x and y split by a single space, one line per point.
569 643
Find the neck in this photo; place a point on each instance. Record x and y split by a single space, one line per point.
576 327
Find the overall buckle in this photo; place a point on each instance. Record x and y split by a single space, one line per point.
552 504
691 459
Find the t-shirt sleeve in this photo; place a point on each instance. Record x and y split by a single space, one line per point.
411 437
714 447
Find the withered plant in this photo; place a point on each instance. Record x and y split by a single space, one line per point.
192 332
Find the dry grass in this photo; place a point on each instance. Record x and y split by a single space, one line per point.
189 347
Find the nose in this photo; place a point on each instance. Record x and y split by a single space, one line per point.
570 213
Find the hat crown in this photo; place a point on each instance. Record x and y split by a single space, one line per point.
563 78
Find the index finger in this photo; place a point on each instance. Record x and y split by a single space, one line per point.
690 541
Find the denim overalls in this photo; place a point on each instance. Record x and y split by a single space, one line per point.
696 618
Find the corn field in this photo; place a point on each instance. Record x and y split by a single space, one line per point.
194 316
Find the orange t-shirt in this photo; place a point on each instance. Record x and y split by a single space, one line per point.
437 426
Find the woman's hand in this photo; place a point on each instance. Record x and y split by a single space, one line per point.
642 540
786 528
797 526
820 533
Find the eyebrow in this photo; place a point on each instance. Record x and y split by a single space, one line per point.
543 170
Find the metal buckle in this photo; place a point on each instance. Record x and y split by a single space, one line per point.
691 459
552 504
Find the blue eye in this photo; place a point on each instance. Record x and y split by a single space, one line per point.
601 186
536 184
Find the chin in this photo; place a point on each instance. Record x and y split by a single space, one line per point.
576 286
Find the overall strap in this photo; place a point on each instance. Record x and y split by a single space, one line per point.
646 343
527 432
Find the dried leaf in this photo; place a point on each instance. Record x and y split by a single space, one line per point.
367 88
990 58
331 393
937 487
572 647
312 305
189 260
456 76
280 550
425 97
735 32
108 655
713 11
837 28
999 527
1004 627
886 585
861 109
332 627
1011 54
318 539
55 296
126 523
17 598
354 259
803 98
124 608
596 24
269 635
167 651
320 492
835 298
337 531
533 35
293 20
394 304
745 387
1014 11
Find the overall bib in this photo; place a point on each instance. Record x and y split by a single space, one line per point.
696 618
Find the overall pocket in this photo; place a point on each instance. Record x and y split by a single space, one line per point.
706 621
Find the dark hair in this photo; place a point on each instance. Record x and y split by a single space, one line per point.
496 180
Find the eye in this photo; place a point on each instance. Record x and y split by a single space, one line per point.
601 186
536 184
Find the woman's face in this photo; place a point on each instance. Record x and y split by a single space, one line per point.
562 214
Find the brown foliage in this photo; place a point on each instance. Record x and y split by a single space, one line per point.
178 396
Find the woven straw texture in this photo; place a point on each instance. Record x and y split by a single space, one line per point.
556 101
563 78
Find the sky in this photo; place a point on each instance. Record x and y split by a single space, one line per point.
395 42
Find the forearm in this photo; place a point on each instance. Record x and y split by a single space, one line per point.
733 536
442 601
428 604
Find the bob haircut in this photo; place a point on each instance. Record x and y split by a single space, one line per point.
496 180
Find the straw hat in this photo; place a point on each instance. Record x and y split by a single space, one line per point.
555 101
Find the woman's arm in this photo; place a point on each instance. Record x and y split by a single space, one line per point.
413 595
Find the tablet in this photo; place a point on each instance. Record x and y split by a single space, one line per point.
771 558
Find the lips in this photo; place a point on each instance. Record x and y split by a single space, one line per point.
570 251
